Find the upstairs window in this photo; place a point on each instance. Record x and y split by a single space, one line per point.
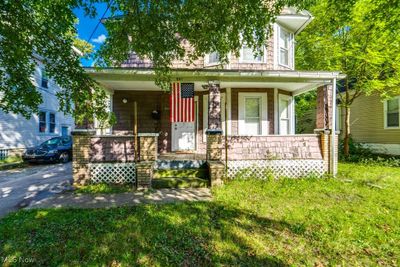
42 122
247 55
213 58
392 111
285 47
45 80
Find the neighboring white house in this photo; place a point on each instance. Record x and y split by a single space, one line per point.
18 133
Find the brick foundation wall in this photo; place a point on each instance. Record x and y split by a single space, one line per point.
274 147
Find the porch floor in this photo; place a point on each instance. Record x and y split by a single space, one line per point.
181 156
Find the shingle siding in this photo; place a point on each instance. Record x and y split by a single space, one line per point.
270 55
18 132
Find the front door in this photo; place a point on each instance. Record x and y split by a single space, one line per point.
64 130
183 136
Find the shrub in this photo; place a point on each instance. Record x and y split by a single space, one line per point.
364 155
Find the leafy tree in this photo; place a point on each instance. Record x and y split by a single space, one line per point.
152 28
361 38
306 112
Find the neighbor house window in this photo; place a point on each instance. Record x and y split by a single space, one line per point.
253 114
52 122
45 80
42 122
248 55
392 108
285 45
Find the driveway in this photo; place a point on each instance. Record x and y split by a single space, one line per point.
19 187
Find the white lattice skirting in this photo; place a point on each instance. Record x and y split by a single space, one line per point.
112 173
276 168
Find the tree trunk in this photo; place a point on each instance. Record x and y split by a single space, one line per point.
346 139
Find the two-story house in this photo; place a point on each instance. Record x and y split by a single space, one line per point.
239 114
18 133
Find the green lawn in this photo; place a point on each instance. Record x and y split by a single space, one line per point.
353 220
11 162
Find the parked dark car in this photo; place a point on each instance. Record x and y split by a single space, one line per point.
57 149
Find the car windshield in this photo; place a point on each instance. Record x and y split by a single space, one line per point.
52 142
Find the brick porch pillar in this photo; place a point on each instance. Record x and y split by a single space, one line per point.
324 107
214 134
148 150
214 131
81 150
324 126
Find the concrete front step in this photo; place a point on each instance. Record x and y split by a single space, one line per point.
183 173
179 164
179 182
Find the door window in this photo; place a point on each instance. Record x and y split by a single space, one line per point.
252 115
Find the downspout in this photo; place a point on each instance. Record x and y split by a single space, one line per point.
333 133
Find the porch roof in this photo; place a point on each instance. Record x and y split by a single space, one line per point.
296 82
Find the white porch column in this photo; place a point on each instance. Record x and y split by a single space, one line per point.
334 153
276 112
228 115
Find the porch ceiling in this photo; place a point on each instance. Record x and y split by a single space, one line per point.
291 81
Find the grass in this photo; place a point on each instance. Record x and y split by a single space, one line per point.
13 159
11 162
104 189
351 221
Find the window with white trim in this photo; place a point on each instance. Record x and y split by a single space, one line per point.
392 113
47 122
285 114
44 79
52 122
213 58
285 47
247 55
42 122
253 114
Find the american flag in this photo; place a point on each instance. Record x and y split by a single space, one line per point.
182 102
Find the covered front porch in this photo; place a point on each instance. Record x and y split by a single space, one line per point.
242 119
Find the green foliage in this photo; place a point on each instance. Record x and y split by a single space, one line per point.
158 30
305 112
363 155
352 220
153 29
45 29
358 37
